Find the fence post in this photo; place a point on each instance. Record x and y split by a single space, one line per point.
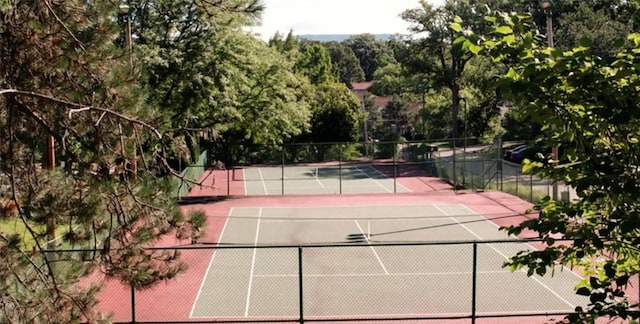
474 282
300 284
517 176
395 177
282 178
531 184
340 167
228 181
133 304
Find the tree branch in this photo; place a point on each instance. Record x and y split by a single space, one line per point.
79 107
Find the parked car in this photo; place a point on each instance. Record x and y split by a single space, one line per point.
514 152
522 153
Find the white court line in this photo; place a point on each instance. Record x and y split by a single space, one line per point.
506 257
253 265
374 180
244 178
515 237
387 177
365 235
317 179
264 185
377 274
206 273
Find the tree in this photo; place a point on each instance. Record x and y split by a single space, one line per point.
263 103
396 116
371 53
336 117
315 63
207 74
184 67
436 54
345 62
588 105
64 79
607 35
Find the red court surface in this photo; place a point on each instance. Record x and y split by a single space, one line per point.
172 301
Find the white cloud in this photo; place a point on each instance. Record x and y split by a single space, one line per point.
335 16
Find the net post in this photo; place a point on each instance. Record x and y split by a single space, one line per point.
229 181
300 285
474 282
282 177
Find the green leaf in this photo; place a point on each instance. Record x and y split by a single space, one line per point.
635 37
583 291
457 19
622 280
475 49
509 39
456 27
513 74
459 40
491 19
504 30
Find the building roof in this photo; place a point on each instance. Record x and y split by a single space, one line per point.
361 86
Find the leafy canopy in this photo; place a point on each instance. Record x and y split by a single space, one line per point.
590 106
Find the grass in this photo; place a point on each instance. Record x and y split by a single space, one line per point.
16 226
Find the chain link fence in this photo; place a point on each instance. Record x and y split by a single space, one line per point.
455 282
378 167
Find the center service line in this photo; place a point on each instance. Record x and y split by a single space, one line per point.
253 264
372 249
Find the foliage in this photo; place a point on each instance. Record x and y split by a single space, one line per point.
64 78
336 117
345 62
371 53
607 35
314 62
434 52
588 104
184 75
396 116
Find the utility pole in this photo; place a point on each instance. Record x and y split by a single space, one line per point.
547 6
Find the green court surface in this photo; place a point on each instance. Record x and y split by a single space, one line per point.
366 261
317 180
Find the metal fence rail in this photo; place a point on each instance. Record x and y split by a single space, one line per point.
352 282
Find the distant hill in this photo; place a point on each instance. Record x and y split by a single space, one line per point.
338 37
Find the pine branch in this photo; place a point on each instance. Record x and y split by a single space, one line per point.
79 108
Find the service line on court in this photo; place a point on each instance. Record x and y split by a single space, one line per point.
264 185
515 237
506 257
387 177
372 249
253 264
374 180
318 180
206 273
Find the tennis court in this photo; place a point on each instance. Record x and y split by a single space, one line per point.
364 261
278 180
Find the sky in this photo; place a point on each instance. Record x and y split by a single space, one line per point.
335 16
